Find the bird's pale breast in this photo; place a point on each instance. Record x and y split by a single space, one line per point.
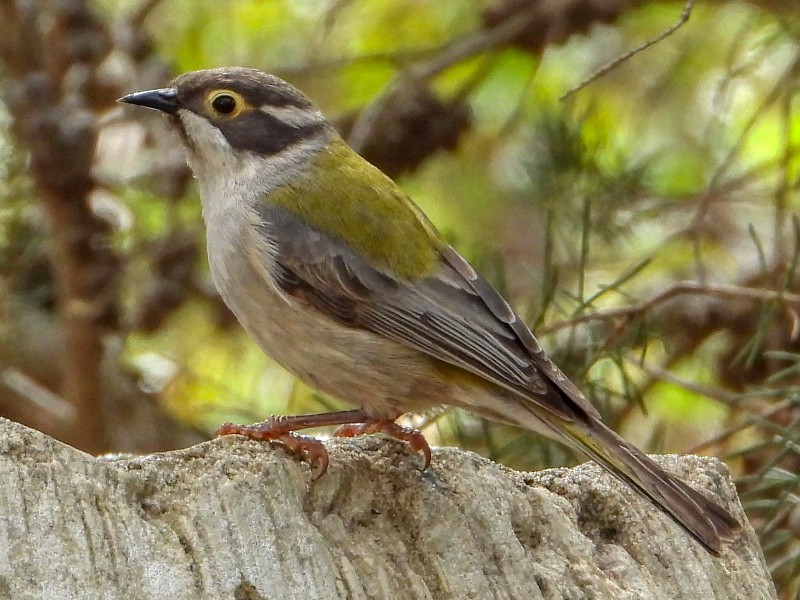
376 374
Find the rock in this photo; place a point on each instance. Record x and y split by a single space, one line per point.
242 520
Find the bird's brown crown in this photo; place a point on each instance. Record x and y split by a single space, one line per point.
255 111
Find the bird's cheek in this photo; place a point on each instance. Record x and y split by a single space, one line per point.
187 141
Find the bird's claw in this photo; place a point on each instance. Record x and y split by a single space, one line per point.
353 422
414 438
273 430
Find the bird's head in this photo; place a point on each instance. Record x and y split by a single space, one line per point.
227 113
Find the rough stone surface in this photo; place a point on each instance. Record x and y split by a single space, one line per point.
240 520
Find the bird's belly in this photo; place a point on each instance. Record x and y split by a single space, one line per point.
380 376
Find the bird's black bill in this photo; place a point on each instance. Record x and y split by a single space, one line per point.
165 100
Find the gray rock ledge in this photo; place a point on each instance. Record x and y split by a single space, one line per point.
240 520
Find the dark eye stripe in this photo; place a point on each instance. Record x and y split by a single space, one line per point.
264 134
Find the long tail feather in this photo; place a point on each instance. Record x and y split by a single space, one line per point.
704 519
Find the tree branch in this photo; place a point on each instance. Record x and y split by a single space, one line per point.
52 52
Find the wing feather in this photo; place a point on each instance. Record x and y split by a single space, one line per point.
454 315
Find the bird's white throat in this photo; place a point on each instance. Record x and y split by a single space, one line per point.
235 180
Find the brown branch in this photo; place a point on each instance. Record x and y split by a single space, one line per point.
728 433
532 25
609 66
52 51
37 395
731 292
780 88
713 393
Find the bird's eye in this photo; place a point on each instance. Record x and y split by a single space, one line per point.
224 104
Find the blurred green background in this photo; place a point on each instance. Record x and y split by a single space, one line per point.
646 225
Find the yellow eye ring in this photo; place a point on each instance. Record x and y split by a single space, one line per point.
225 103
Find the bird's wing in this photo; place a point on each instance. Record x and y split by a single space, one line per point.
454 316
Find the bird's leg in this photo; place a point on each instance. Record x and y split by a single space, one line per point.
414 438
281 428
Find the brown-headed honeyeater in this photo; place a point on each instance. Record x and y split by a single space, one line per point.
341 279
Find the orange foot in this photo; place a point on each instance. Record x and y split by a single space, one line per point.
353 422
273 430
413 437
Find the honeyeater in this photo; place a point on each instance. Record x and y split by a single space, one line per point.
342 279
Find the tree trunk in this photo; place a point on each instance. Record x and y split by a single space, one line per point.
240 520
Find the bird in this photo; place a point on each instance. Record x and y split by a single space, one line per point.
342 279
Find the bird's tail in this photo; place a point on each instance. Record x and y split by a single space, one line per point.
704 519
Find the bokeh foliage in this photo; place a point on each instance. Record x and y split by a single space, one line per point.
646 225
